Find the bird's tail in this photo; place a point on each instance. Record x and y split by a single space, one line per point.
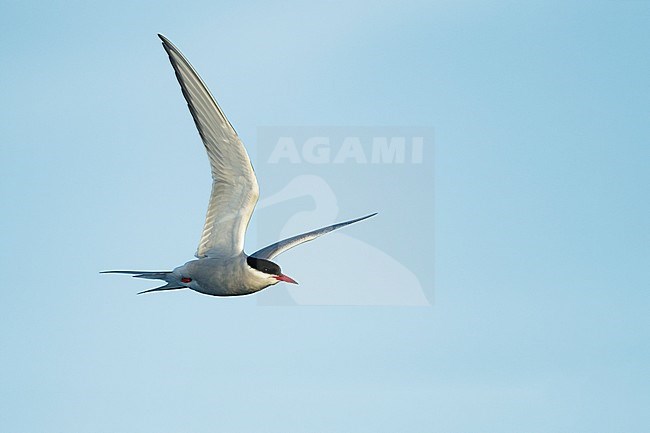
166 276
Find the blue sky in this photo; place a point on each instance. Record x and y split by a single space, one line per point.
525 227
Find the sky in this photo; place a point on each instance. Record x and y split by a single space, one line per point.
502 287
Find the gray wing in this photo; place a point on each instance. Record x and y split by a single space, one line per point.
282 246
234 187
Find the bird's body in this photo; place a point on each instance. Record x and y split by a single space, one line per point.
229 276
222 268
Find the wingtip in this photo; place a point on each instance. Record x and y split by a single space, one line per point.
167 44
366 217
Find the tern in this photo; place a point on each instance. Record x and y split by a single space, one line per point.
221 267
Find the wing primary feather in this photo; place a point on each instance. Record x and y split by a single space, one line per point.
279 247
173 50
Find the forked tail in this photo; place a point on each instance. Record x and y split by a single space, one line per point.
166 276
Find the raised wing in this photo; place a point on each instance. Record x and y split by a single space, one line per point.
234 187
282 246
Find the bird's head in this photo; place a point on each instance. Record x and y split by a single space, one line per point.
272 271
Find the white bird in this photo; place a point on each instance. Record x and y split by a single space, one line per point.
222 268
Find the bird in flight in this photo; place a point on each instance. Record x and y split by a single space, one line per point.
222 268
